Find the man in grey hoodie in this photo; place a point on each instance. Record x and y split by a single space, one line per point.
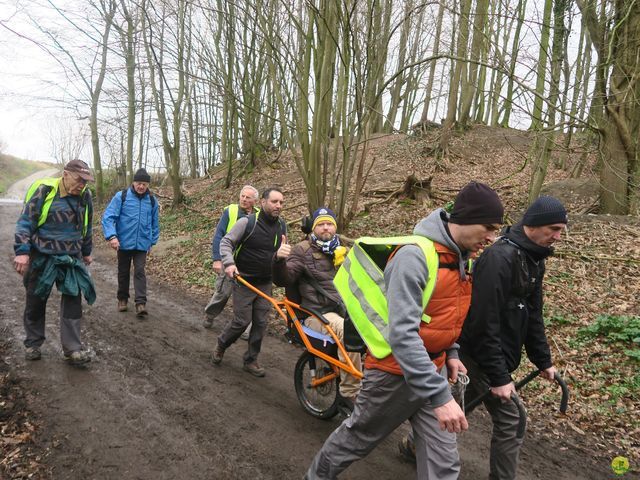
411 382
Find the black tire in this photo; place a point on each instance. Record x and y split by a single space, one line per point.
321 401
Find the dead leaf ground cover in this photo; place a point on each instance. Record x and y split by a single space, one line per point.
19 458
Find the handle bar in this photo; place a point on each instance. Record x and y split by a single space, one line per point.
564 402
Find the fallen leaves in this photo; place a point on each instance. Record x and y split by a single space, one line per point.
20 458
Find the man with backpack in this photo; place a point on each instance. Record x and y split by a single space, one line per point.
410 323
505 315
131 226
248 250
309 268
53 245
231 214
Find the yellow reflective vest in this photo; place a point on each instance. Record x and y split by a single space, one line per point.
54 183
233 215
360 283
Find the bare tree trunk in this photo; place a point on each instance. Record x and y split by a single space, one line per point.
515 50
170 143
557 54
459 66
577 87
432 68
600 41
394 101
501 53
541 75
478 45
128 43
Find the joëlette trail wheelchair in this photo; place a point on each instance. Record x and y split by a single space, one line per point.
317 371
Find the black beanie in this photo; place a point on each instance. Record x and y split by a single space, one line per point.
545 210
142 176
477 203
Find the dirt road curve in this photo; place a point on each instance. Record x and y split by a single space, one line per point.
18 189
151 406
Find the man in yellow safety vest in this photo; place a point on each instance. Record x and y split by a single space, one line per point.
231 214
408 298
53 244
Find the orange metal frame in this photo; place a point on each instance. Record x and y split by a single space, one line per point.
287 309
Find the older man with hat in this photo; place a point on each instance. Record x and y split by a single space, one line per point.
505 315
53 244
309 267
410 323
131 226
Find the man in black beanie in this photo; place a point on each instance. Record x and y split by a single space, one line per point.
130 225
413 354
505 314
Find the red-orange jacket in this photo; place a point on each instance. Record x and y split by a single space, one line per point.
447 308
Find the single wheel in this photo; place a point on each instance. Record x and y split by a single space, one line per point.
320 401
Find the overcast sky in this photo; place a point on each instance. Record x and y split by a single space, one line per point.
31 89
23 122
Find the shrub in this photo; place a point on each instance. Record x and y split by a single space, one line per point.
616 329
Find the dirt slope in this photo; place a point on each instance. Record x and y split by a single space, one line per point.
151 406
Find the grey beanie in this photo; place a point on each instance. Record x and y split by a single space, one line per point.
545 210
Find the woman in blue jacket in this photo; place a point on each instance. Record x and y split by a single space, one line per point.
130 225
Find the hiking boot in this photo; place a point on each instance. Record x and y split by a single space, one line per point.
77 358
32 353
254 369
122 305
346 405
208 322
407 449
141 310
217 355
348 402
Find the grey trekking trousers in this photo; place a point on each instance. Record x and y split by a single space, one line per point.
248 307
384 402
220 297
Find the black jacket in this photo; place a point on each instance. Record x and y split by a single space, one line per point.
251 243
506 307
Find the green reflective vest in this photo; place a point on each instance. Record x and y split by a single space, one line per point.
233 215
360 283
54 184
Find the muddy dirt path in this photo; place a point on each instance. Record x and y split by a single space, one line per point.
18 189
152 406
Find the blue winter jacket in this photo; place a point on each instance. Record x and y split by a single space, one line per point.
135 223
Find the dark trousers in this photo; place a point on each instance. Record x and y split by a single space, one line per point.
35 312
139 258
505 444
248 307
